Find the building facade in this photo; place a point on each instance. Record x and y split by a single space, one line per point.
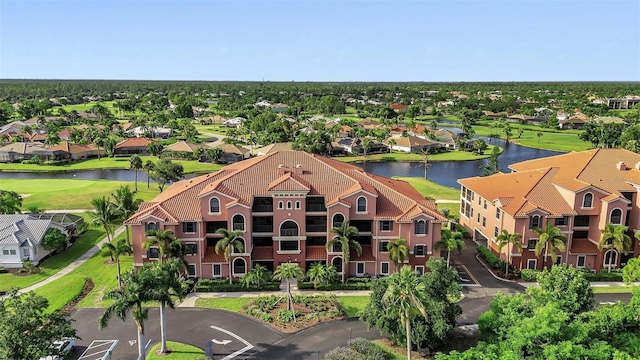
578 192
286 203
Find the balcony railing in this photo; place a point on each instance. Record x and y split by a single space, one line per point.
238 226
317 228
263 228
263 208
288 232
316 208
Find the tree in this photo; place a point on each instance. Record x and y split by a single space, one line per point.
539 135
366 145
344 237
614 237
320 274
631 271
10 202
54 240
52 138
148 167
510 241
27 329
450 241
230 240
135 163
167 282
398 252
426 162
127 205
566 287
405 296
549 239
288 272
166 171
392 143
492 166
184 110
105 215
258 276
479 146
114 249
162 239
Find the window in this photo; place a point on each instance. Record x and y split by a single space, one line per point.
191 248
289 228
580 261
336 248
150 226
531 264
383 246
289 245
5 252
242 246
297 204
217 270
611 258
478 220
558 260
214 205
534 222
420 250
338 219
12 252
421 227
337 263
582 234
239 266
361 204
498 214
280 205
360 268
384 268
26 253
496 231
386 225
587 200
189 227
616 217
191 270
288 205
485 205
153 253
420 270
238 222
563 221
479 200
531 245
484 221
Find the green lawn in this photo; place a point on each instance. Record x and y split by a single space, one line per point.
394 354
179 351
353 305
454 209
612 289
429 188
558 141
69 193
399 156
230 304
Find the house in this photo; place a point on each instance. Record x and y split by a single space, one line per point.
23 151
355 146
269 149
156 132
280 108
12 128
182 149
561 115
263 103
215 119
572 123
21 238
578 192
66 150
414 144
132 146
399 108
233 153
626 102
234 123
285 205
369 124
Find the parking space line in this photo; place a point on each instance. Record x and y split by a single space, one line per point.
98 354
473 278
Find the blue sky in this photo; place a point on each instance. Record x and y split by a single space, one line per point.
320 40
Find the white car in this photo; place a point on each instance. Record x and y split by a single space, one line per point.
60 348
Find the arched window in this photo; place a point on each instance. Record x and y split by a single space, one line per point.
336 248
616 217
289 228
151 226
288 205
361 204
214 205
587 200
239 266
235 251
421 227
280 205
337 263
338 219
534 222
297 204
611 257
238 222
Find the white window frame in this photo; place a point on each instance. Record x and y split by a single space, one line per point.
497 213
341 264
496 231
385 249
149 252
244 222
535 264
214 212
424 252
298 207
233 266
584 261
604 257
244 247
333 219
420 269
213 270
531 221
280 205
484 222
389 222
364 268
534 247
415 229
26 253
584 198
358 211
381 267
611 215
280 251
485 205
195 273
192 243
289 206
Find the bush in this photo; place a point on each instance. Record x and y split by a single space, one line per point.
371 350
221 285
603 275
490 258
344 353
351 284
529 275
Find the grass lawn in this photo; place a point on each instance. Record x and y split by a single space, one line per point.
432 189
558 141
394 353
179 351
612 289
190 166
454 209
400 156
69 193
353 305
230 304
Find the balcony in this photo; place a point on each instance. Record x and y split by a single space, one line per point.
262 208
213 226
315 204
581 221
262 228
317 228
288 232
262 204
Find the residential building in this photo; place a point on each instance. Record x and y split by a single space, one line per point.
626 102
579 192
23 151
414 144
233 153
285 204
137 145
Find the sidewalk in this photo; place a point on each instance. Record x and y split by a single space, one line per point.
190 300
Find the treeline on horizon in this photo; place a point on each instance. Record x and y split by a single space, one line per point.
14 90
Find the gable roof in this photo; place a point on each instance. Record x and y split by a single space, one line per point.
182 146
269 149
21 230
73 148
133 142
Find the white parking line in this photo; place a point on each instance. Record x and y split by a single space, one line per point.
93 353
232 355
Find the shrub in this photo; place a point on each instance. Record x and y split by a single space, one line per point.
603 276
287 315
529 275
369 349
490 258
344 353
215 285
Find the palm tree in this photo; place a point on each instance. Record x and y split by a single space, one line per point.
615 237
127 205
344 236
288 271
405 296
105 215
167 283
450 241
114 250
162 239
506 239
148 168
392 142
549 240
135 163
257 276
398 252
229 241
320 274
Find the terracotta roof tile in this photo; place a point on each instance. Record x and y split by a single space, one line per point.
583 247
316 253
367 254
288 183
210 256
133 142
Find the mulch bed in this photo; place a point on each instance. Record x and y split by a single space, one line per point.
86 289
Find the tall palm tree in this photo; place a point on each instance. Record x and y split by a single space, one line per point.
549 239
615 237
345 235
162 239
167 283
288 271
148 168
105 214
506 239
127 205
398 252
405 297
226 245
449 241
114 249
135 163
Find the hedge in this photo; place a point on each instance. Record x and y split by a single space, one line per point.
356 285
603 275
210 285
490 258
529 275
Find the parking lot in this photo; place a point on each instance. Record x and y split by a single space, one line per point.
466 278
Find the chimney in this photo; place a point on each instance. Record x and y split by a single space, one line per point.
637 166
298 170
282 169
622 166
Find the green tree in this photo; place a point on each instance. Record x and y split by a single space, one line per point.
288 272
135 163
258 276
167 283
166 171
230 240
321 274
127 205
114 249
549 239
614 237
398 252
366 145
510 241
539 135
155 148
631 271
449 241
148 167
27 329
162 239
54 240
10 202
491 167
345 235
104 214
566 287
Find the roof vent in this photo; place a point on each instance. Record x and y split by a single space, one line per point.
622 166
299 170
282 169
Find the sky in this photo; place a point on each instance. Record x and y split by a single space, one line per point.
321 40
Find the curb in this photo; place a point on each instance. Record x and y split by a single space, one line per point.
491 272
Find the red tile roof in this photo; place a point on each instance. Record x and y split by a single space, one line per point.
133 142
398 106
316 253
583 247
210 256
